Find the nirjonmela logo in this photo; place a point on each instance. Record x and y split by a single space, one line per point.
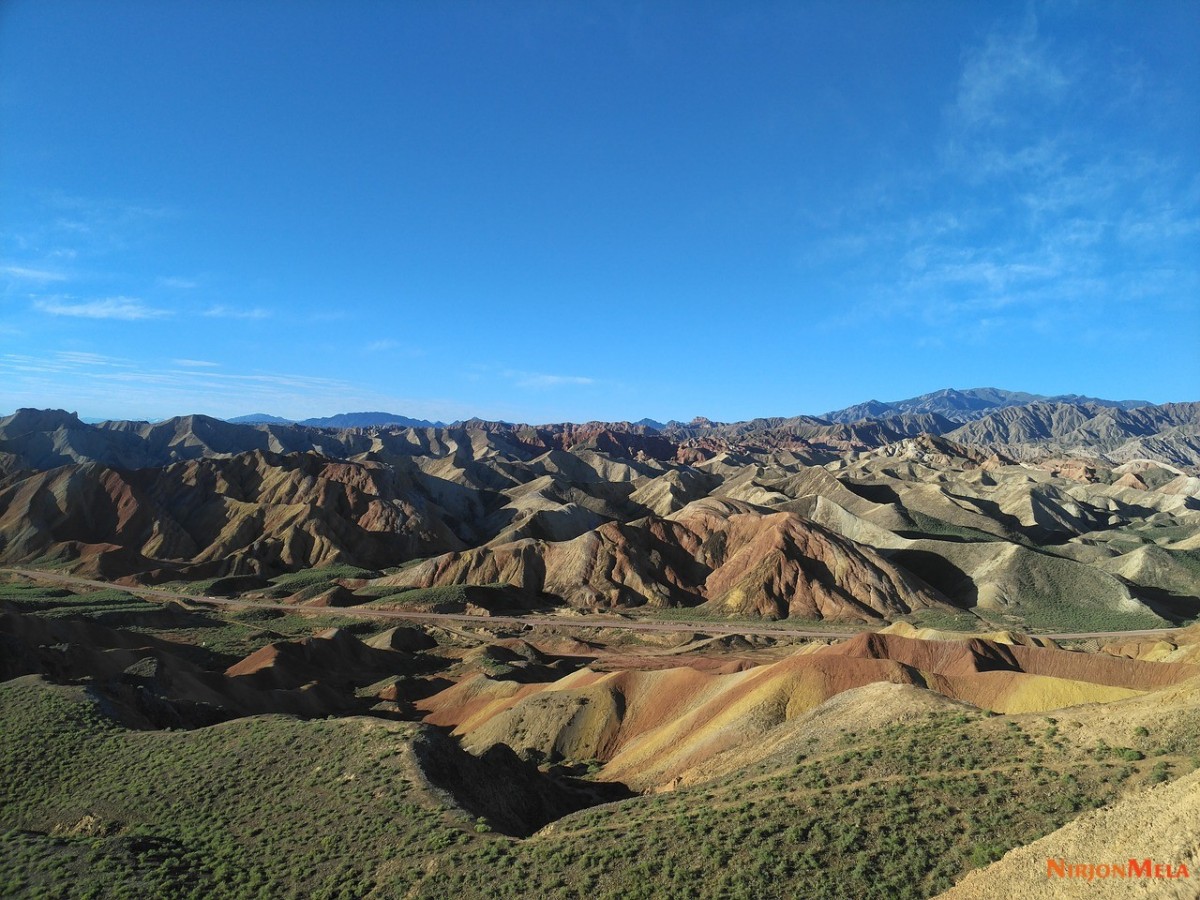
1134 868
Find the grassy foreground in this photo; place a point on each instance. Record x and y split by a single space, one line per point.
271 806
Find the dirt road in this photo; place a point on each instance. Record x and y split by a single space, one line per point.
559 621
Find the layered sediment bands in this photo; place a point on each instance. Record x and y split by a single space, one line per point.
255 512
1015 678
965 657
729 555
1182 646
648 727
652 726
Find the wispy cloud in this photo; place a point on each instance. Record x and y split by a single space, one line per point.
1039 207
123 308
67 227
65 362
328 315
109 386
540 380
1001 78
92 214
174 283
55 237
83 358
19 362
227 312
394 348
195 363
26 273
225 380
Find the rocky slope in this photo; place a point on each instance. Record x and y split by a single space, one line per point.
1168 433
727 555
1162 825
253 513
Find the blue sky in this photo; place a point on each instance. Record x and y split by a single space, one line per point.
566 211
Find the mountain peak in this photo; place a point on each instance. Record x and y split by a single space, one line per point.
260 419
367 420
27 419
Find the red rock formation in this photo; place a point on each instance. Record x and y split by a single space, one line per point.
729 555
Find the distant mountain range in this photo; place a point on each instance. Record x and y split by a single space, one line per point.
955 406
260 419
965 406
990 420
341 420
